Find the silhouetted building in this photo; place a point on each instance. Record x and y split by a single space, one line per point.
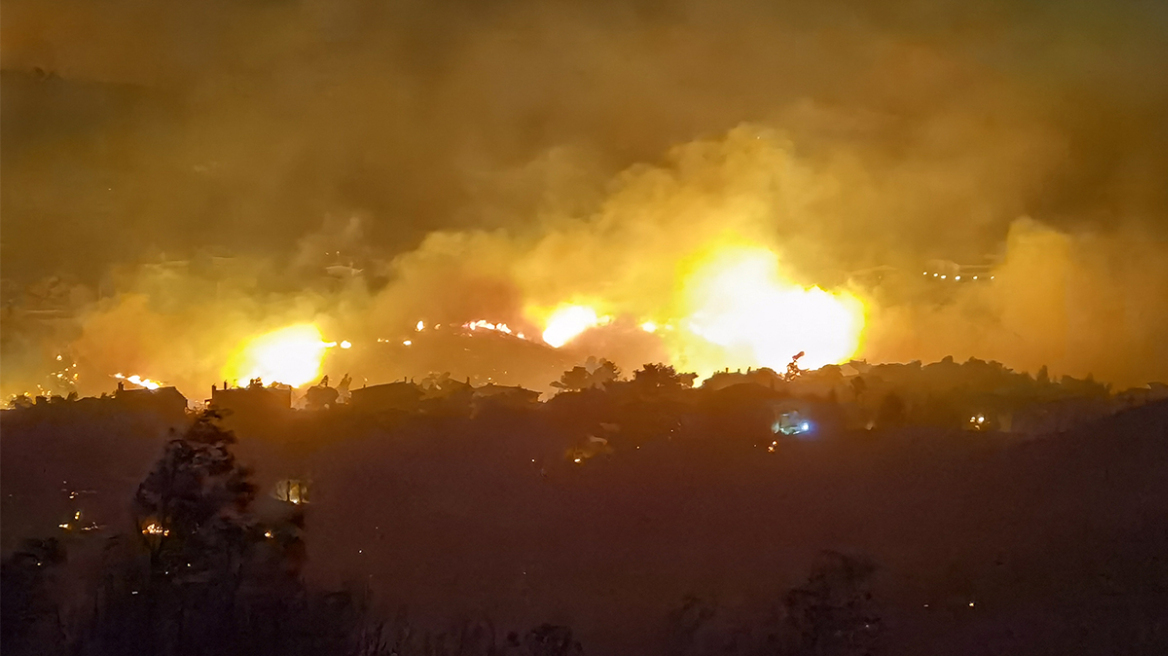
390 396
792 416
1137 396
764 377
251 399
292 490
166 401
505 395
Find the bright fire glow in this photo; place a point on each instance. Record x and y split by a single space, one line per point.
748 315
154 528
291 356
139 381
568 321
483 323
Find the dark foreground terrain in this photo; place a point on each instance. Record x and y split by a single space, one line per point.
983 542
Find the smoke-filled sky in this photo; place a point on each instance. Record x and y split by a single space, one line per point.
245 124
593 136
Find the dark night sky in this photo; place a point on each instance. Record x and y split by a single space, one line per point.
168 127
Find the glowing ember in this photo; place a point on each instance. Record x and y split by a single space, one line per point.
154 528
748 315
568 321
291 356
649 327
482 323
139 381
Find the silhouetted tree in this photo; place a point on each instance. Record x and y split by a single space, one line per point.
574 380
550 640
683 625
191 510
793 369
833 613
30 620
192 514
595 374
661 378
603 372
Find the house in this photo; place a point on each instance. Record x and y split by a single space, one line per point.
764 377
791 416
1059 415
401 396
167 402
1144 395
251 399
504 395
292 490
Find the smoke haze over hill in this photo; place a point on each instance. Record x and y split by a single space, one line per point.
493 160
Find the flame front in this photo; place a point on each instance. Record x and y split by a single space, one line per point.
732 307
743 313
292 356
140 381
568 321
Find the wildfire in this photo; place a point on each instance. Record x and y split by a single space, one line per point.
292 356
568 321
154 528
734 308
139 381
729 306
748 315
482 323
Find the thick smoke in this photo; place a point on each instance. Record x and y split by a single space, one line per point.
501 158
1081 304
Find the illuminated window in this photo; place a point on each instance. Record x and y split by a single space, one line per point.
293 491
